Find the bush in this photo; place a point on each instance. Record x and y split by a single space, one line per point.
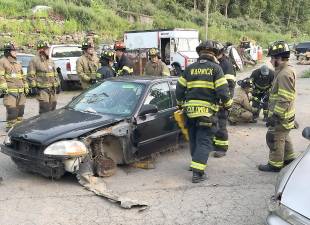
306 74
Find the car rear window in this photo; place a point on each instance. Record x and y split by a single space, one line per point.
303 45
24 59
67 51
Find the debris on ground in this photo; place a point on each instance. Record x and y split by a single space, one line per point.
145 164
97 185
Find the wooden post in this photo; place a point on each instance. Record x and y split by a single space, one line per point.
207 18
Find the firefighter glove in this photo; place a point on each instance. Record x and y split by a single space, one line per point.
272 121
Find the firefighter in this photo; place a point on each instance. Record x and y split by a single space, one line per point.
107 62
123 66
87 65
281 113
262 80
199 91
241 110
13 84
43 78
221 135
156 67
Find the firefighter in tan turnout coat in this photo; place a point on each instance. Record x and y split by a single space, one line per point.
13 85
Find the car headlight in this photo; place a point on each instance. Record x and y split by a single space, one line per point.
291 216
70 148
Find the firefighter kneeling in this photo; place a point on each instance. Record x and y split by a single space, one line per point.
200 88
242 111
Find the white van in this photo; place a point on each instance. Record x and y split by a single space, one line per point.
177 46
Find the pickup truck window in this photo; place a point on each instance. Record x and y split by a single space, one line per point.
66 51
160 96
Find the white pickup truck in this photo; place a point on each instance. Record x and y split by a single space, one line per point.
65 57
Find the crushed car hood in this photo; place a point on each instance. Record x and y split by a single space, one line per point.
296 194
61 124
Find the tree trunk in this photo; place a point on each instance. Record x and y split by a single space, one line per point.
195 5
226 10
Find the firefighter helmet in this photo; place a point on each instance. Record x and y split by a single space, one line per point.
87 44
153 52
279 49
107 55
119 45
220 47
245 83
10 46
42 44
208 46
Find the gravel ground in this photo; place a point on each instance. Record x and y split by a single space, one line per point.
235 194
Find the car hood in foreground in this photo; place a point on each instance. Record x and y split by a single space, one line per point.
60 124
296 194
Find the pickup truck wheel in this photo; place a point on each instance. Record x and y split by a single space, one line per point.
63 83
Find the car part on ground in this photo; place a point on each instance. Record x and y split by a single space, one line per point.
87 179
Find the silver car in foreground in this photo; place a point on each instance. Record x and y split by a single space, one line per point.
291 203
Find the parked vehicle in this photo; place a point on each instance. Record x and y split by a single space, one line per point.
177 46
290 204
302 48
24 59
65 57
126 118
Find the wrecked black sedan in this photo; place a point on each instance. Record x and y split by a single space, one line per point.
118 121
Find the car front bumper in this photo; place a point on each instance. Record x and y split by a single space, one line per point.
47 167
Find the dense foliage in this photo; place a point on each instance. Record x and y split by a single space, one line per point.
261 20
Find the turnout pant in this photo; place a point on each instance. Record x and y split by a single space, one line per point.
201 135
280 146
15 106
47 100
240 115
221 135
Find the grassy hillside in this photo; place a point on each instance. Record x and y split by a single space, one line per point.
103 16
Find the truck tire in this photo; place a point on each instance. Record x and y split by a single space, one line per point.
177 69
63 83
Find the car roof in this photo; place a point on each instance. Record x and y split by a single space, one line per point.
143 79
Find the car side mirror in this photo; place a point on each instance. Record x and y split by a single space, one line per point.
147 109
306 133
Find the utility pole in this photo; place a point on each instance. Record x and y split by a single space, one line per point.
207 18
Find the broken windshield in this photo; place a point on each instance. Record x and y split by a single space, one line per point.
109 97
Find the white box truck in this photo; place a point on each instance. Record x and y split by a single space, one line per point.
177 46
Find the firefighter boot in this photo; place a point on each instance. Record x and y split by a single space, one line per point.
198 177
268 168
287 162
219 154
